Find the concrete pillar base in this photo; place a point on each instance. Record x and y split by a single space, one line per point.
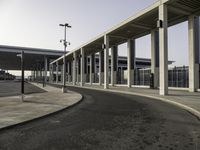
101 78
64 90
22 97
156 78
69 79
132 76
194 84
82 84
92 79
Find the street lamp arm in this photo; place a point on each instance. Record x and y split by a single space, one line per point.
62 25
69 26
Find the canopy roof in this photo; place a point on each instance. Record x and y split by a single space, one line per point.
33 57
140 24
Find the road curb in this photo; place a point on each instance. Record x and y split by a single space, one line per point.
42 117
192 111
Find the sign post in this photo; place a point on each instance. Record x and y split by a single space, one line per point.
22 75
22 69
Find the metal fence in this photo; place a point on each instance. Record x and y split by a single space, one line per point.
177 77
142 77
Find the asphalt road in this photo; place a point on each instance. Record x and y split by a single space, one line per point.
13 88
108 121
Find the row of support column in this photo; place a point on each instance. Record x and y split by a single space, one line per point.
159 58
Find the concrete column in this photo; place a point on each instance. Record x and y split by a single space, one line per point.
40 73
82 67
92 68
163 47
57 69
45 69
36 73
130 62
100 83
106 62
90 73
95 69
52 73
101 67
32 75
53 69
67 69
155 57
78 71
50 67
114 65
70 71
67 76
193 27
61 73
74 68
85 68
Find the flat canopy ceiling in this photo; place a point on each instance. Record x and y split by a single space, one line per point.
32 57
141 24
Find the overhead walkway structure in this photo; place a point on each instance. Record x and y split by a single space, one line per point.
35 59
154 20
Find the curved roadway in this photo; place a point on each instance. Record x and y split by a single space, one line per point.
108 121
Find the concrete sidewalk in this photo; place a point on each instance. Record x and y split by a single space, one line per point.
184 99
13 111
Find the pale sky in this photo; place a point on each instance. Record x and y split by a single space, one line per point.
35 23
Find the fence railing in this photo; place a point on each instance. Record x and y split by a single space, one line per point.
177 77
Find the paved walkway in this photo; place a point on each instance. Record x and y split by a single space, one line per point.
184 99
13 111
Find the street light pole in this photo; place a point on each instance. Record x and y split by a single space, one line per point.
65 43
